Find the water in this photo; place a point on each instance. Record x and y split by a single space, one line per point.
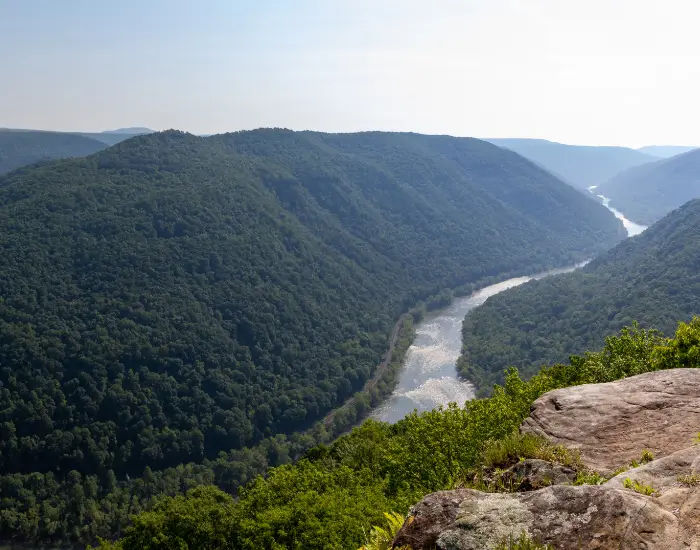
429 375
631 227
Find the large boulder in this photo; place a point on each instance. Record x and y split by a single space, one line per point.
612 423
567 517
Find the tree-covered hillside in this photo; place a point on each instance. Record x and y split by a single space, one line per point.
331 498
21 147
653 278
173 297
579 165
649 192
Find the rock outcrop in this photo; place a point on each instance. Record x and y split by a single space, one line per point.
611 424
567 517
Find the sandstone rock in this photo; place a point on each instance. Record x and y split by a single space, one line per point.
568 517
612 423
676 478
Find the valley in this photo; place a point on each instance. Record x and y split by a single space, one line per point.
429 377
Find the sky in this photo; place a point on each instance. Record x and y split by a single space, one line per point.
612 72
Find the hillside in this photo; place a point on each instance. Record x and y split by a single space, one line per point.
647 193
172 296
331 498
22 147
653 278
578 165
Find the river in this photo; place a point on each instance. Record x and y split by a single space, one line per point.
631 227
429 375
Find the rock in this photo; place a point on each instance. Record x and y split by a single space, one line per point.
612 423
676 478
534 473
567 517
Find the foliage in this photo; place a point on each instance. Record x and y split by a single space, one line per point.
332 497
690 480
192 306
638 487
516 446
653 278
381 538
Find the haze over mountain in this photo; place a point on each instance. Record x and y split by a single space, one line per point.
181 296
666 151
646 193
578 165
22 147
653 278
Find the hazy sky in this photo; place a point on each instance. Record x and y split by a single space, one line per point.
592 71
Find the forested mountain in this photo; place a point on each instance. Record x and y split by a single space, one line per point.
665 151
649 192
653 278
579 165
22 147
173 296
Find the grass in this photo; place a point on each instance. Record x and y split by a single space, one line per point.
516 447
523 542
691 480
638 487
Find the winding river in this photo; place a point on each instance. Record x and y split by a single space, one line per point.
429 375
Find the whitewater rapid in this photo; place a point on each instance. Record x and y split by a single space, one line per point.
429 375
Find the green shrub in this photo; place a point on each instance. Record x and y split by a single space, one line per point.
638 487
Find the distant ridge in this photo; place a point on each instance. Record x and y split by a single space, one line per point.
666 151
22 147
578 165
134 130
648 192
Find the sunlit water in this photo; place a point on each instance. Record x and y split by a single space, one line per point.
631 227
429 375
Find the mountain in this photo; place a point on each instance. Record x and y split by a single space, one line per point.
653 278
174 296
21 147
112 137
131 131
578 165
646 193
665 151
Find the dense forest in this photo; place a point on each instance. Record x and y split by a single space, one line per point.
21 147
653 278
331 498
578 165
173 299
649 192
